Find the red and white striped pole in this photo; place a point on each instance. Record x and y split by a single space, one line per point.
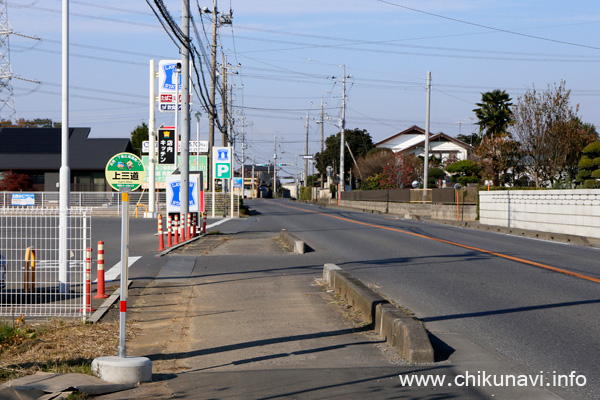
175 229
100 287
188 227
87 293
169 231
182 228
204 223
161 238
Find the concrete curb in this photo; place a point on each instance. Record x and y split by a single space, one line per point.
103 309
293 242
399 330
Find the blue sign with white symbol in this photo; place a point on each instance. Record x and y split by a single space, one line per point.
176 189
167 76
222 154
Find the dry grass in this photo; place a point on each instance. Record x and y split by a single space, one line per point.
60 346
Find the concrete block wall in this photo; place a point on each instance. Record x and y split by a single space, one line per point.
467 212
572 212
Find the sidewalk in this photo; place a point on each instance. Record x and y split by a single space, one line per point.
258 326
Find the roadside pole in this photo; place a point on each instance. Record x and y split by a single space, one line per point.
231 179
124 269
152 138
123 369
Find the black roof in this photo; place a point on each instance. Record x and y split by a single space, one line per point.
40 148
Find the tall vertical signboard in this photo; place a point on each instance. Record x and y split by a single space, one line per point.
221 167
166 146
168 89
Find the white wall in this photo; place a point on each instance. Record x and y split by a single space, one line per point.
573 212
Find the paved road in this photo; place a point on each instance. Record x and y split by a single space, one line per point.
539 321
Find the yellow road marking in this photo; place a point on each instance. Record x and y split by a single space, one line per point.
517 259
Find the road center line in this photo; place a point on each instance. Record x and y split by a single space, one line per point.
517 259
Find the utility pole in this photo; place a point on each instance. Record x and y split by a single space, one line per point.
212 112
185 115
426 159
306 155
275 167
342 127
322 137
253 177
224 94
152 136
243 156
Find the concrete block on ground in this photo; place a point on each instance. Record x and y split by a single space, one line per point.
130 370
399 330
328 274
298 246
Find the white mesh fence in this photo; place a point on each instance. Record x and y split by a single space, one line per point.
109 203
32 281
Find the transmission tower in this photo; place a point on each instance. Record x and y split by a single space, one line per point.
7 97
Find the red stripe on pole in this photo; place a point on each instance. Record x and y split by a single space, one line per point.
123 306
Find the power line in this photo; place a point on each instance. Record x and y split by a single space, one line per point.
490 27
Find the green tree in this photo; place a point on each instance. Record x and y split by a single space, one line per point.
494 113
138 135
464 171
359 141
589 167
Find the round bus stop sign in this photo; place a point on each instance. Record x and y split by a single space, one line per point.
125 170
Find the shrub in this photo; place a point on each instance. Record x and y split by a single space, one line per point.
586 163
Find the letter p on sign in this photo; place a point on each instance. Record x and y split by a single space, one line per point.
223 171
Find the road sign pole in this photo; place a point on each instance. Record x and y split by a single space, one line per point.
124 270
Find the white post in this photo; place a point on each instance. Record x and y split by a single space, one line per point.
124 270
65 172
152 137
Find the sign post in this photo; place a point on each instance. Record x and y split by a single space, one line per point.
125 173
221 165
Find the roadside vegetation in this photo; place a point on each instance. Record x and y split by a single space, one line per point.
58 346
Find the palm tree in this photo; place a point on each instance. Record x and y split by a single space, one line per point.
494 114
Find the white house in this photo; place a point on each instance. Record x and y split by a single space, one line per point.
412 141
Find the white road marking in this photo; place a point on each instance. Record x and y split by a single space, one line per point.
115 271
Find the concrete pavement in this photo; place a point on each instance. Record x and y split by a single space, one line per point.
239 317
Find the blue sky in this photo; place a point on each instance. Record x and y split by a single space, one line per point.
290 53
